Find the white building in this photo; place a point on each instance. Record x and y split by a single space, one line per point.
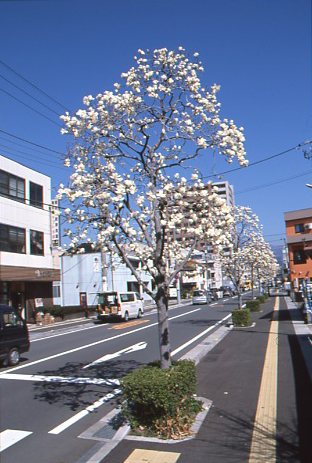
26 263
226 191
83 275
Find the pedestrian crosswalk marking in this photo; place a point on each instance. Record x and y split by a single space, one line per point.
10 437
263 445
60 379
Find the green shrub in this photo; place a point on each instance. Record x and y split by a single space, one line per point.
253 306
162 401
261 299
241 317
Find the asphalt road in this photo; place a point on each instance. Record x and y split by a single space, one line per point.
69 378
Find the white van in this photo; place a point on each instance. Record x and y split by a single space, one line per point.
122 305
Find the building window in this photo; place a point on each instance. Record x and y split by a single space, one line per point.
12 239
36 243
299 257
56 291
299 228
11 186
35 195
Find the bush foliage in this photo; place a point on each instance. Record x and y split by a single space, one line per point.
241 317
253 306
261 299
162 401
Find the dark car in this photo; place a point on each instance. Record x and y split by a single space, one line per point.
227 291
14 337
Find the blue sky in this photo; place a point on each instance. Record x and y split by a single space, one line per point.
258 51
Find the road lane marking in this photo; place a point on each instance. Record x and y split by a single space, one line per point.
263 444
63 333
10 437
128 324
200 335
66 424
60 379
152 456
92 344
127 350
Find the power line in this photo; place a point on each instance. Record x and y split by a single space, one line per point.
30 107
23 152
31 160
28 94
272 183
31 143
259 162
23 146
33 85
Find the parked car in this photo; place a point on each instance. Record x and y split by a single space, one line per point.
227 291
213 293
121 305
14 336
200 296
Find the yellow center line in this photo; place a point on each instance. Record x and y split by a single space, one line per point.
152 456
128 324
263 444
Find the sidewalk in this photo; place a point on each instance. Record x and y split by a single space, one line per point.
230 376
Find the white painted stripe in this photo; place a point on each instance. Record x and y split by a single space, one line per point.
60 379
10 437
66 424
64 333
199 335
86 346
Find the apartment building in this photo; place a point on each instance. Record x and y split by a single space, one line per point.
299 244
27 272
226 191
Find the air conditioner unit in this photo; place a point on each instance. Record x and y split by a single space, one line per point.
308 226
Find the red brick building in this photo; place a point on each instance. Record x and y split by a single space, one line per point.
299 243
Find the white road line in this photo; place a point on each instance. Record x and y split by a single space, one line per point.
76 330
86 346
127 350
10 437
66 424
60 379
200 335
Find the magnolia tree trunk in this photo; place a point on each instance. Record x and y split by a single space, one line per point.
252 283
163 327
240 300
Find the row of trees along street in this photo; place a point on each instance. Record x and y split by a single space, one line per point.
127 193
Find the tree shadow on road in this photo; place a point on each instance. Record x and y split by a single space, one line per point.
230 439
76 391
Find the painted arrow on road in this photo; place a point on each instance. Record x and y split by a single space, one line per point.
127 350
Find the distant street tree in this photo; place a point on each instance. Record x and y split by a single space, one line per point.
262 262
130 147
237 258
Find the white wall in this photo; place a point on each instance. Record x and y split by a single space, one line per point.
21 215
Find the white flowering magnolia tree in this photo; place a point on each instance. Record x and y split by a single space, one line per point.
262 262
130 149
237 258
